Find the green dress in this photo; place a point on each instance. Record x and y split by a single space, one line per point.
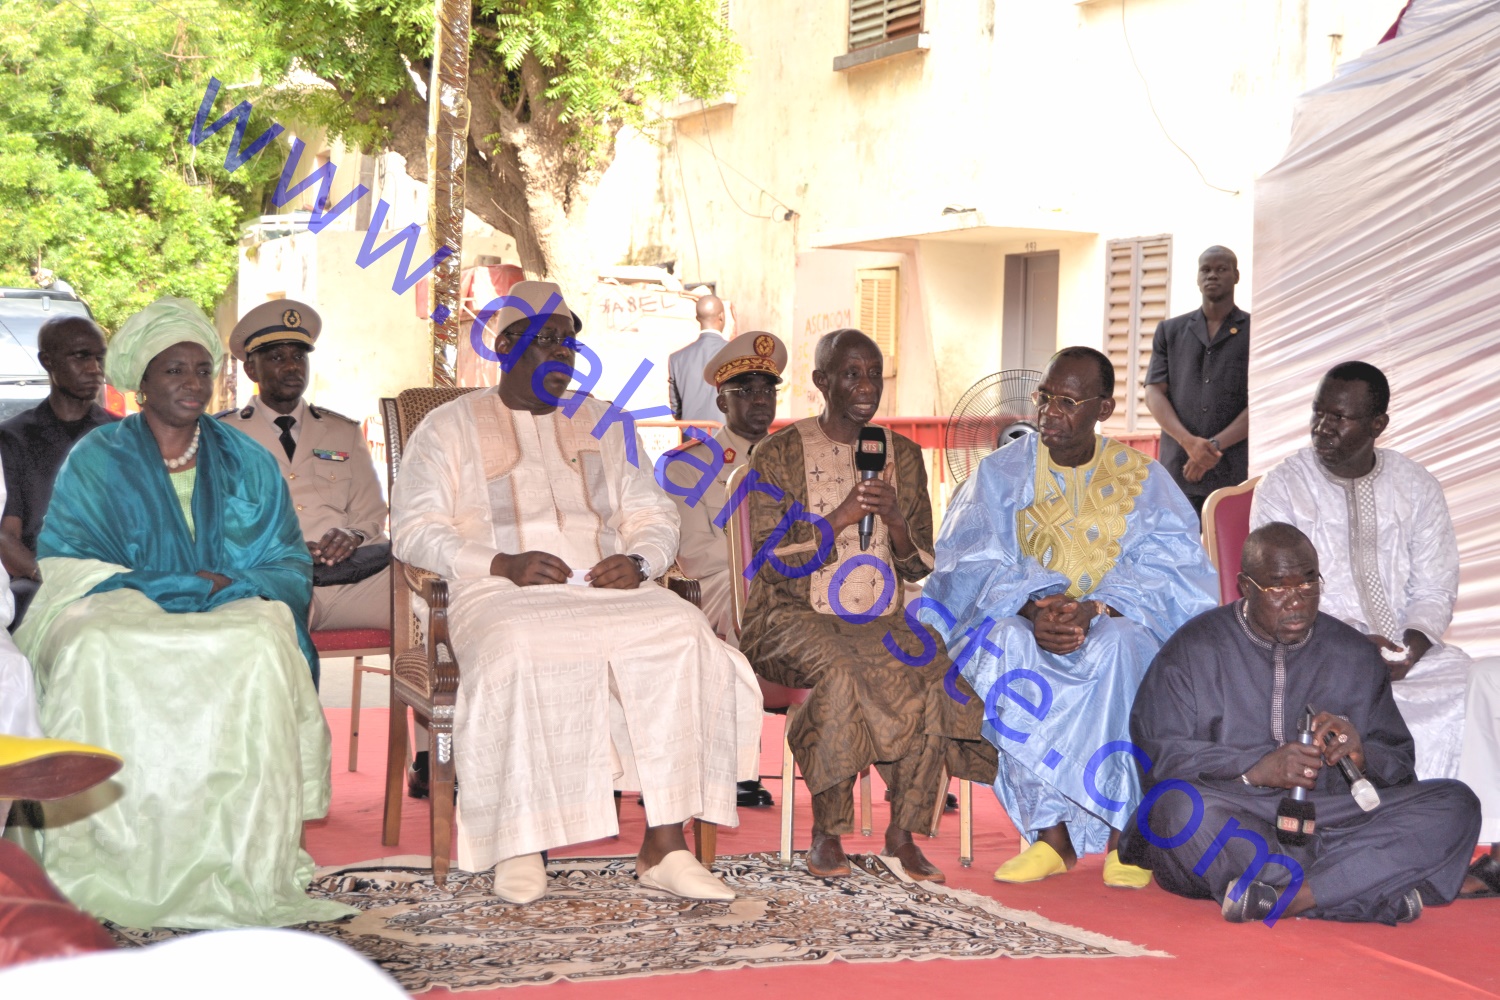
207 695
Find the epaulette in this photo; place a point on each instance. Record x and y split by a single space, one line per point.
245 414
685 446
319 412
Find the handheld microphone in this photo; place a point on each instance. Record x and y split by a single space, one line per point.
1296 817
1359 786
869 459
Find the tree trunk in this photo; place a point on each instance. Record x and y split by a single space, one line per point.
525 176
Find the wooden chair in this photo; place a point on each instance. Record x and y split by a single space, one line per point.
1226 525
424 669
339 643
783 701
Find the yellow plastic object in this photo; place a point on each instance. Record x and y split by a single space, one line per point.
51 769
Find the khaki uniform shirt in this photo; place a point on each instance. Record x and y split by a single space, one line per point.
703 553
332 477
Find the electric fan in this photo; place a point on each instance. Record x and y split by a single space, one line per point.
994 411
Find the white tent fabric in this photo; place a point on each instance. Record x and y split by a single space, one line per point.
1377 238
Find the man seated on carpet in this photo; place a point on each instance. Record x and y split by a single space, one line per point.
575 676
1390 562
1077 557
824 613
1217 717
744 375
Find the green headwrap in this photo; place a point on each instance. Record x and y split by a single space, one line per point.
152 330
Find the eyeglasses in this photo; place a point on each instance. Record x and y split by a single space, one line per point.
549 341
1308 589
764 392
1066 404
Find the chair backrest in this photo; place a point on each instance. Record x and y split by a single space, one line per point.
401 416
1226 525
737 537
774 697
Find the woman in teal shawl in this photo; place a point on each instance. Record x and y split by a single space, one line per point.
171 627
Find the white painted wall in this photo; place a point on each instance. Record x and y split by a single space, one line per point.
1030 111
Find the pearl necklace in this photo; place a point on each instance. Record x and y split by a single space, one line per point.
187 456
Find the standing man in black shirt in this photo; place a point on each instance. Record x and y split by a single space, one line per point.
33 444
1197 387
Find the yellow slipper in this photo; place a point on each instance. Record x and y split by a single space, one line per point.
1032 865
51 769
1122 876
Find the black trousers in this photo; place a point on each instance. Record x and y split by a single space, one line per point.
1358 865
23 591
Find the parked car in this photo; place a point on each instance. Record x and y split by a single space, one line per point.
23 381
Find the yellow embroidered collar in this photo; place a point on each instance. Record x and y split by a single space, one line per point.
1075 527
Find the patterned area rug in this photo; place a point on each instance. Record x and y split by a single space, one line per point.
597 922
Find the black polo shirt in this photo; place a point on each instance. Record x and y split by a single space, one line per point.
1208 383
33 445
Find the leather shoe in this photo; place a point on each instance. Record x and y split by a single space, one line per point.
521 879
752 795
416 777
680 874
1411 906
1486 870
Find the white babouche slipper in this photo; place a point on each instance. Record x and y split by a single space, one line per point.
680 874
521 879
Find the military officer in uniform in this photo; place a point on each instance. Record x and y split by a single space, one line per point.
326 463
744 375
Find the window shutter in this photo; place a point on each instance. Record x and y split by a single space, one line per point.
874 21
877 297
1138 280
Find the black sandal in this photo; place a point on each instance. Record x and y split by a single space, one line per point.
1487 870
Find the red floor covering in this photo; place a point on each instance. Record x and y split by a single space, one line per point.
1449 952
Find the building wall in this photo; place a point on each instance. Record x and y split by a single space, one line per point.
1030 112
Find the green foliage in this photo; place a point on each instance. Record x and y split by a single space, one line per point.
606 61
97 178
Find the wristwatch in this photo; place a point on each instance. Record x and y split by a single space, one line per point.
1215 443
640 565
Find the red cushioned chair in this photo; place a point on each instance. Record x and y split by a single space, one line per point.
337 643
1226 525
